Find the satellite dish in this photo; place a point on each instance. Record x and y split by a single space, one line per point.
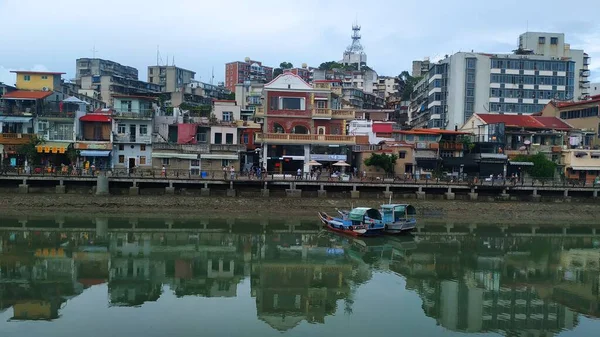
527 142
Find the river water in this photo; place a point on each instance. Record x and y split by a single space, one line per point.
94 277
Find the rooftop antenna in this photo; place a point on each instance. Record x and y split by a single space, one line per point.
158 57
94 51
173 60
212 77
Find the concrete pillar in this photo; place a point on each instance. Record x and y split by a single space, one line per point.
205 192
420 194
449 195
23 223
322 193
449 227
134 190
231 191
472 227
566 196
293 193
593 231
504 195
60 189
595 194
354 194
24 188
535 197
533 229
473 195
170 189
564 230
387 193
169 223
102 184
503 228
265 191
133 223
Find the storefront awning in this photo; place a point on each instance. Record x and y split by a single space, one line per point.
174 155
521 163
53 147
94 153
585 168
219 156
15 119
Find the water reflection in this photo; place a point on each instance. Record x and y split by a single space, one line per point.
514 285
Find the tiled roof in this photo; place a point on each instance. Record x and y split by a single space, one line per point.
523 121
595 99
36 72
526 121
24 94
553 123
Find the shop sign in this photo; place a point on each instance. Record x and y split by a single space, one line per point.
328 157
93 146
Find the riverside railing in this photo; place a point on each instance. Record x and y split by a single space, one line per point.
197 174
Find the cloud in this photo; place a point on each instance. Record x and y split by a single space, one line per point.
206 34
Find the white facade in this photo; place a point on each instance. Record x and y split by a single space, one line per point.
594 89
132 146
227 111
553 45
223 135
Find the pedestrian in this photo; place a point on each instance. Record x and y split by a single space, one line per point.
224 172
299 174
163 171
232 172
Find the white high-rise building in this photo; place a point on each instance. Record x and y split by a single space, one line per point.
522 82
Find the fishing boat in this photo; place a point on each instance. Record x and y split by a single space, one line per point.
398 218
360 221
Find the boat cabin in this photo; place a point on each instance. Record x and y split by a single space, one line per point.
398 212
363 215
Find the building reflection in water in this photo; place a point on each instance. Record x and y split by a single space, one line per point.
514 285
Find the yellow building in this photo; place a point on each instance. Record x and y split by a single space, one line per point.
582 165
582 115
38 80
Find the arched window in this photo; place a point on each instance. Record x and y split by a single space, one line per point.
321 130
300 129
277 128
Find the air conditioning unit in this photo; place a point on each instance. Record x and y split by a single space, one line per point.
45 89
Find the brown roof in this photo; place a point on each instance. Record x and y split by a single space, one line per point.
36 72
24 94
134 96
526 121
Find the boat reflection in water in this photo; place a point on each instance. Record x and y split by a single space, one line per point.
468 283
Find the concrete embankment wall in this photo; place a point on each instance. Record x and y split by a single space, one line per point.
93 186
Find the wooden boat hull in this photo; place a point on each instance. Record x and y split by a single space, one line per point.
337 226
400 227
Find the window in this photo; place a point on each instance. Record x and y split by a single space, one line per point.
126 106
44 77
291 103
143 147
245 138
229 138
121 128
142 160
224 162
227 116
143 130
402 155
218 138
61 132
201 137
321 104
121 147
195 162
554 40
165 161
27 78
121 159
541 40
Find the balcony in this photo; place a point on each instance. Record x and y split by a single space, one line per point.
259 112
321 113
134 114
183 148
297 139
584 73
129 138
451 146
15 138
228 147
343 114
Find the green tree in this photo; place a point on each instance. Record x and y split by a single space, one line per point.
409 83
542 166
29 151
277 72
330 65
383 161
286 65
231 96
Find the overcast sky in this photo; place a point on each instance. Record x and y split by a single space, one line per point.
202 34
